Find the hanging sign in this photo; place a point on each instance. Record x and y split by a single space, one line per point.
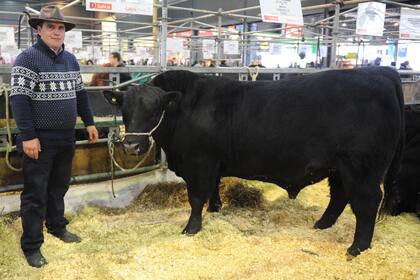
293 31
275 49
7 36
230 47
175 45
282 11
208 48
323 50
409 24
139 7
73 39
370 19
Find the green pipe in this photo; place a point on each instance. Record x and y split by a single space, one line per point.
90 177
78 143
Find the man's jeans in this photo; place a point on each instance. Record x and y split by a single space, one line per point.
46 181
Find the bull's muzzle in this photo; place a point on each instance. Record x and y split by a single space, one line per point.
132 148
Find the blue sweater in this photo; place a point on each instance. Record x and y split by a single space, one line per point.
47 94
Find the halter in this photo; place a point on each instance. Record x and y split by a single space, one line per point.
149 134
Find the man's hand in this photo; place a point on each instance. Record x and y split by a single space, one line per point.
32 148
93 134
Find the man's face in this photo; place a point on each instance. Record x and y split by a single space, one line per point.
52 33
113 60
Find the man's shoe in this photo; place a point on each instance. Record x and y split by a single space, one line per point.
67 236
35 258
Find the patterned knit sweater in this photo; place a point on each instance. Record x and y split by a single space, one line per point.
47 94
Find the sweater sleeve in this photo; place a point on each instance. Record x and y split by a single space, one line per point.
83 106
24 78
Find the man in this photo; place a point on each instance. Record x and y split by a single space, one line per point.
115 61
46 96
405 66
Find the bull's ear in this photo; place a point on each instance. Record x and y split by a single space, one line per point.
114 97
171 97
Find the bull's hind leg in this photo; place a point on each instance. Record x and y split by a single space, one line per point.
364 203
364 197
201 183
215 203
338 201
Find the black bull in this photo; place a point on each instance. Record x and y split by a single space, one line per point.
347 125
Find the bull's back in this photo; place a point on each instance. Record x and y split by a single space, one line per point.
306 123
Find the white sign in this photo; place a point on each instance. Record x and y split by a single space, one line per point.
323 51
94 51
370 19
7 36
409 24
175 45
275 48
140 7
208 48
141 51
282 11
73 39
109 37
230 47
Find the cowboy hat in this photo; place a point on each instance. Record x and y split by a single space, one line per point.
50 13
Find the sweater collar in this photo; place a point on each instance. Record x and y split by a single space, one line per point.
40 44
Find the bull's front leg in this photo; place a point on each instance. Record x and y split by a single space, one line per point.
196 201
202 181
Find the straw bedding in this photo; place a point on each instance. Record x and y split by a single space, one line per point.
259 234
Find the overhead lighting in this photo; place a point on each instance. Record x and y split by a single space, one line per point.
344 24
396 23
32 10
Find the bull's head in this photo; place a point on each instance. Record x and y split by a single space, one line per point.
142 108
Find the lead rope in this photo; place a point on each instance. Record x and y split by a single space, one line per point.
4 89
112 139
111 151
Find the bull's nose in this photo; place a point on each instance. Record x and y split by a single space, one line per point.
132 148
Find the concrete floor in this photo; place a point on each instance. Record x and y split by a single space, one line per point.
100 193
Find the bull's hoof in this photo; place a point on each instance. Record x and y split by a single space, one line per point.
214 208
323 224
349 257
352 252
192 228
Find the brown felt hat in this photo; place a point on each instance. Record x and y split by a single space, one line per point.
50 13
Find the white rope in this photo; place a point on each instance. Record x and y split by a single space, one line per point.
111 149
146 133
4 89
253 72
111 145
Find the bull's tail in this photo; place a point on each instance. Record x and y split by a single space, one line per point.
392 196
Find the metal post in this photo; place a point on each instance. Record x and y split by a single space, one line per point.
163 34
155 32
163 62
244 42
219 36
334 35
193 53
396 53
